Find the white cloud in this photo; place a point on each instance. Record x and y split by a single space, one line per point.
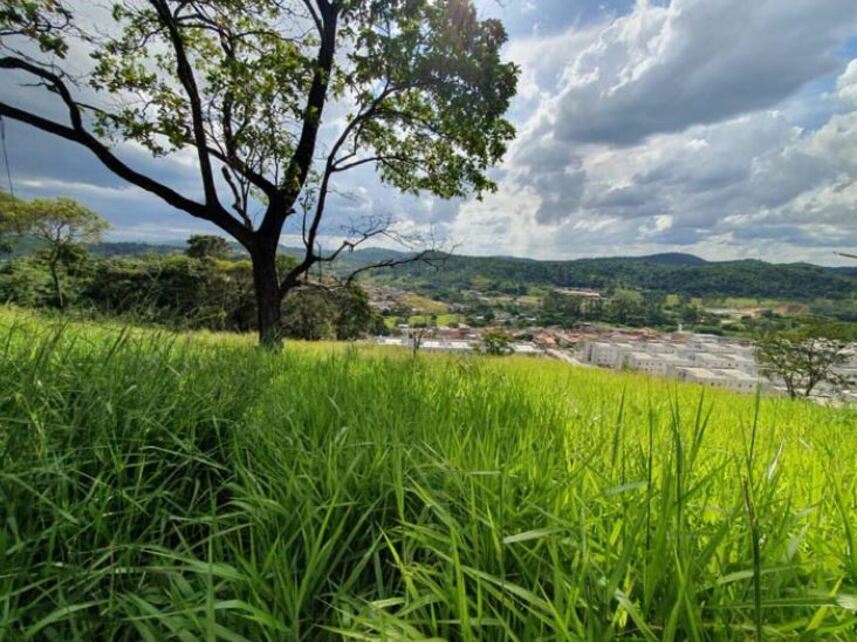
722 127
665 68
846 85
686 126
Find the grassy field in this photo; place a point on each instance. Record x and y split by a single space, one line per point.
415 320
425 304
159 486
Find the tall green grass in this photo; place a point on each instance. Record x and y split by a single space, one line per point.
158 486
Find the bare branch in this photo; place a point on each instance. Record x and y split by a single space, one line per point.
309 236
424 256
314 14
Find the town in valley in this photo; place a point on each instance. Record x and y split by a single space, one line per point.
715 360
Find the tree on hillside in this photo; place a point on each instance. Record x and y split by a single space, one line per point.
418 85
805 358
207 246
315 312
354 314
625 307
495 343
63 228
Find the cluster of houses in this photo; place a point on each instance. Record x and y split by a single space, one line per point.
703 359
707 360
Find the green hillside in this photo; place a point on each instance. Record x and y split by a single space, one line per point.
670 273
161 486
667 273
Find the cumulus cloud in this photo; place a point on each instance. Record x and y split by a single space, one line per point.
695 124
846 85
722 127
665 68
552 172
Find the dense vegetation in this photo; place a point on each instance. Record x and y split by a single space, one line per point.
185 487
211 287
665 274
192 290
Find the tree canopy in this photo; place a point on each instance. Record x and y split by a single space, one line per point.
207 246
62 227
805 358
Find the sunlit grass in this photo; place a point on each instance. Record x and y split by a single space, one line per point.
166 486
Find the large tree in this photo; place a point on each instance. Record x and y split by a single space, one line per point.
419 88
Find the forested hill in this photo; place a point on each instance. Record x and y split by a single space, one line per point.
666 273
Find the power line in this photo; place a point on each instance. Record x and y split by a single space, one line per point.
6 156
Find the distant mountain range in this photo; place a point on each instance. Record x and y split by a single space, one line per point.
671 272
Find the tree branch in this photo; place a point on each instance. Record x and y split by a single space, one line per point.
315 17
233 162
188 81
426 256
299 165
77 133
310 257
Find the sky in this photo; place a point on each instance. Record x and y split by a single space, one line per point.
722 128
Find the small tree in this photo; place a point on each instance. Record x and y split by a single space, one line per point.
354 315
207 246
417 335
310 314
317 311
63 228
625 307
496 343
805 358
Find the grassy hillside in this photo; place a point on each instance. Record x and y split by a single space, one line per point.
667 273
187 487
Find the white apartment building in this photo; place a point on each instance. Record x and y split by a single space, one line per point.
525 348
707 360
455 345
452 345
730 379
714 360
654 363
609 354
662 348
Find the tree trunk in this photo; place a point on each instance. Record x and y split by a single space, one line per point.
267 288
57 284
